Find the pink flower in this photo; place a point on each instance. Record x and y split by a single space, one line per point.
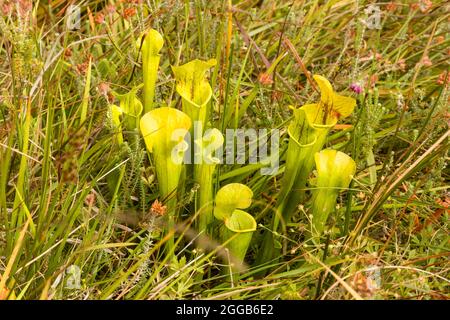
356 88
427 62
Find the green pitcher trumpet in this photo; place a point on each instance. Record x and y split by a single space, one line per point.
204 167
115 114
238 226
151 43
164 130
335 171
307 135
194 89
130 107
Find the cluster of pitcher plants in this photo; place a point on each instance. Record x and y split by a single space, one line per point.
220 214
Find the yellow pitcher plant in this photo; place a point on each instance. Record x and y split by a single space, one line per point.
130 108
164 130
335 170
205 164
307 135
194 89
238 226
151 43
196 92
115 113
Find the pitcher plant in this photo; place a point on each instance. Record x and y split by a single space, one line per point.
194 89
335 170
238 226
164 130
307 135
130 108
151 43
206 158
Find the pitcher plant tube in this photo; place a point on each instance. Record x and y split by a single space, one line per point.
130 108
238 226
115 113
164 130
151 43
335 170
307 135
206 159
194 89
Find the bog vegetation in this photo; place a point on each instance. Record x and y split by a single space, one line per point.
103 101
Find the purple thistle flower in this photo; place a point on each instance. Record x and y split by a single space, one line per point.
356 88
